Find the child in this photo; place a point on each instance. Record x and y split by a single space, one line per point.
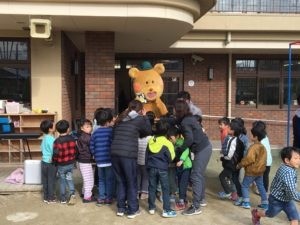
64 157
283 189
265 142
100 148
160 152
142 174
48 168
183 166
230 158
224 123
85 159
255 164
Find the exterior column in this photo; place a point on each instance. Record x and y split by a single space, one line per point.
99 71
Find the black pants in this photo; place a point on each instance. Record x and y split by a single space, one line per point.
226 180
48 180
266 178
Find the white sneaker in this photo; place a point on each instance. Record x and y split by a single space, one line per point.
120 213
132 216
151 211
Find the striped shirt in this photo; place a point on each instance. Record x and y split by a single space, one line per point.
284 184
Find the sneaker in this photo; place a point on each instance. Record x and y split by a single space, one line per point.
234 196
223 195
180 206
169 214
45 201
144 196
255 217
119 213
89 200
132 216
72 200
203 203
192 211
263 206
101 202
63 201
151 211
108 201
172 198
238 202
51 201
246 205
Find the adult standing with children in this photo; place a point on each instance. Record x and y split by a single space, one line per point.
197 141
129 126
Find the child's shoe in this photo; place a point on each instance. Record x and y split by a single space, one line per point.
172 198
132 216
246 205
169 214
88 200
255 217
203 203
51 201
144 195
72 200
151 211
100 202
234 196
223 195
263 206
108 201
180 205
238 202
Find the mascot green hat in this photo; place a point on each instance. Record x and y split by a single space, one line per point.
146 65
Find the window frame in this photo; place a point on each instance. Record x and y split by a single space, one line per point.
19 64
259 74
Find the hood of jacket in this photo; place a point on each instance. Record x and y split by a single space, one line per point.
131 115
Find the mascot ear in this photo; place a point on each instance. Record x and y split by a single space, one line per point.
133 72
159 68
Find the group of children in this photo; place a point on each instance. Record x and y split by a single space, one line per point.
256 161
143 158
151 170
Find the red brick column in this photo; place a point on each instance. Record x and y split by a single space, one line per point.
99 71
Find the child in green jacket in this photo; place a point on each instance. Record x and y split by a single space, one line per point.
183 164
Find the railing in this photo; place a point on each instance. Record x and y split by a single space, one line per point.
258 6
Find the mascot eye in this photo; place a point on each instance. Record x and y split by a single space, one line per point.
147 82
153 82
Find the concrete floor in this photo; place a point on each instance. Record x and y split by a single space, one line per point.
26 207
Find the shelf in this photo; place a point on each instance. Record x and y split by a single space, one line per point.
11 151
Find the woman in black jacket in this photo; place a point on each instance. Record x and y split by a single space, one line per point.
197 141
129 126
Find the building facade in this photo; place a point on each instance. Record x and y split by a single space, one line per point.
232 57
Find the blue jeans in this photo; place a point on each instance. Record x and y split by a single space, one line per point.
65 174
106 183
275 206
155 176
248 180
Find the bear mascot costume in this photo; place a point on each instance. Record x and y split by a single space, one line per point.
148 87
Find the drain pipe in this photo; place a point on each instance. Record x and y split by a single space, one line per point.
229 85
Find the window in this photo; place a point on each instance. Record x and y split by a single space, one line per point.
264 82
15 70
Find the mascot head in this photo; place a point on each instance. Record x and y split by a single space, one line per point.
147 81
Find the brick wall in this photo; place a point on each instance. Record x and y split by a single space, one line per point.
69 53
99 71
211 96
